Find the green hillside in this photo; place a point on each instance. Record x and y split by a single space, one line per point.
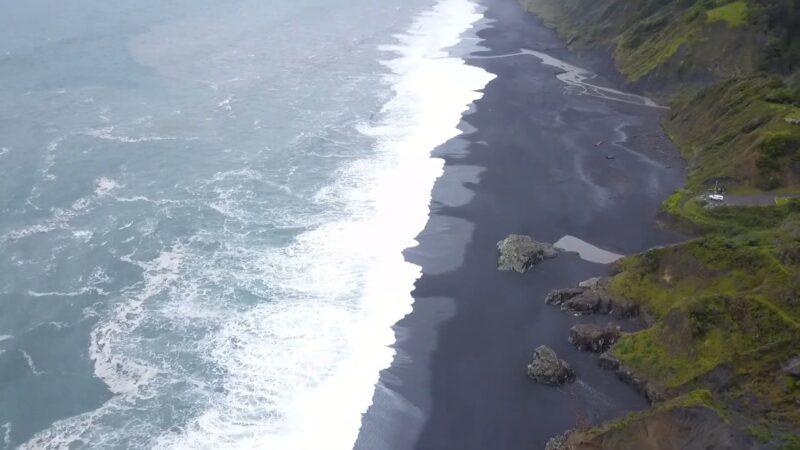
725 306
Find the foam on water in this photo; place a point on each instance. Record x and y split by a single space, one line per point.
103 186
112 363
294 365
111 134
302 372
6 433
30 362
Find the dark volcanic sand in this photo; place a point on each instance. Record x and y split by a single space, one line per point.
526 164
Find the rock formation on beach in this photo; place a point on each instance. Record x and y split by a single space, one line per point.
592 297
522 253
547 368
593 337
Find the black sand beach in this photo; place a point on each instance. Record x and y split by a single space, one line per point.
528 163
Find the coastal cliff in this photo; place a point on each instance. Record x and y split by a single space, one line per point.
723 309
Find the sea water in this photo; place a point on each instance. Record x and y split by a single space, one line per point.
203 206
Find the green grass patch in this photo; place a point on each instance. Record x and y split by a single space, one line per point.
728 298
735 14
738 130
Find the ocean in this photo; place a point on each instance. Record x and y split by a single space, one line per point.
203 208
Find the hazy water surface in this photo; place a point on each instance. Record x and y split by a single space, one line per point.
202 208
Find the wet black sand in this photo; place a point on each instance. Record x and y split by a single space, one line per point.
527 164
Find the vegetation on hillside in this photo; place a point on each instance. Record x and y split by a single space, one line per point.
682 40
745 131
726 314
730 65
724 306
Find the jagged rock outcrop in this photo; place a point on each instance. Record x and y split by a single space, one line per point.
593 337
588 302
628 376
557 442
522 253
591 283
592 297
559 296
546 367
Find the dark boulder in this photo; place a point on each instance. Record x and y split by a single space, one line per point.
559 296
587 302
592 297
593 337
546 367
522 253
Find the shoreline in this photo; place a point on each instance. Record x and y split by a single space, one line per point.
526 163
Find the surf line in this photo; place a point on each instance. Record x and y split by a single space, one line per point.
577 78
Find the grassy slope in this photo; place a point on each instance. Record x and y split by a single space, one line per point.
736 127
662 41
729 301
741 128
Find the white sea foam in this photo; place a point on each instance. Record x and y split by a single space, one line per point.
77 293
297 368
7 433
122 373
58 220
111 134
103 186
61 217
227 104
83 236
31 365
300 373
49 159
4 150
